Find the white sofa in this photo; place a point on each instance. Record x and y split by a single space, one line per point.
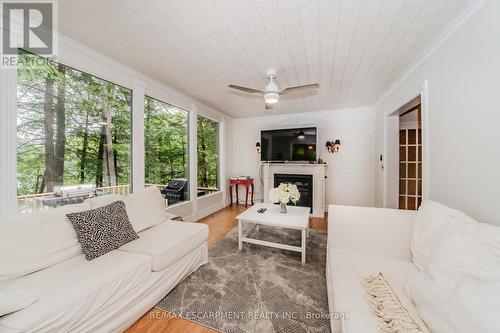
361 242
437 255
40 252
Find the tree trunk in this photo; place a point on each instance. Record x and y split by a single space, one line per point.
37 184
83 160
184 168
101 166
42 185
105 171
60 144
115 157
108 146
48 108
202 165
160 173
172 168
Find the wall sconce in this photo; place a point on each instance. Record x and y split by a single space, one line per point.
257 147
333 146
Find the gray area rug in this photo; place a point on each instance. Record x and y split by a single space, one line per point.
258 289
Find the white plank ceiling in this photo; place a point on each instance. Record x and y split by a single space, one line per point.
355 49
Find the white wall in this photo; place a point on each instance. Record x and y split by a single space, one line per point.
350 173
463 115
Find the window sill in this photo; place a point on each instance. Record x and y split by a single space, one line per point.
178 204
210 195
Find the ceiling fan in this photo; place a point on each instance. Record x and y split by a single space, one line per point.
271 93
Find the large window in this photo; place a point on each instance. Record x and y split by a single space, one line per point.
73 128
208 156
166 147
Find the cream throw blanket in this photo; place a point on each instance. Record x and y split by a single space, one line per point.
391 306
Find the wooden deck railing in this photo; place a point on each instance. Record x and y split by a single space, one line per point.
33 202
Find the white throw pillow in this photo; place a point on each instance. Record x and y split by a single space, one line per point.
431 222
98 202
33 241
15 300
459 291
145 208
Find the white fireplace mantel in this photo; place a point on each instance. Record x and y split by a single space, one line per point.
317 171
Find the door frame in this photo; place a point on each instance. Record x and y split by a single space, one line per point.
391 150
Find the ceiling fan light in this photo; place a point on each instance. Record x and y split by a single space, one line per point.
301 135
271 97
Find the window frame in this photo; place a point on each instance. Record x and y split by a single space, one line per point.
188 141
131 117
90 61
219 153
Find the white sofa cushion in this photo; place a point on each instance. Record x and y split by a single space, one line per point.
98 202
347 268
16 299
431 222
167 242
145 208
73 291
379 232
33 241
459 291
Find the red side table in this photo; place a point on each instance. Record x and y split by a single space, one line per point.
234 182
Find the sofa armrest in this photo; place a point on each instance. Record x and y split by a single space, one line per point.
373 231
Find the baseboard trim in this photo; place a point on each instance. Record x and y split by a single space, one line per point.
204 213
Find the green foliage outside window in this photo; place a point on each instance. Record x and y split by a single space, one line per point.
166 142
72 128
208 154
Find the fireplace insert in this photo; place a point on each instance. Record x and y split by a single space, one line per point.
304 184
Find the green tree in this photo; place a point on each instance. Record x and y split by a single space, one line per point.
208 150
166 142
75 128
60 128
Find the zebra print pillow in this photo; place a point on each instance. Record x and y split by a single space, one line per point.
103 229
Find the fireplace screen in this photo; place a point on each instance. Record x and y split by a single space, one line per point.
304 184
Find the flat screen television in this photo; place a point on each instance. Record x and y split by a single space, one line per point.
294 144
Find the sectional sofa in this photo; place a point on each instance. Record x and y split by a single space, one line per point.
445 264
40 253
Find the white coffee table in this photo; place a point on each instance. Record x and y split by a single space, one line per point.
294 218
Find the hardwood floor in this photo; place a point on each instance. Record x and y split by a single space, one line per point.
157 320
219 224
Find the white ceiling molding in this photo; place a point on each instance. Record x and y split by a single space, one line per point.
466 14
355 49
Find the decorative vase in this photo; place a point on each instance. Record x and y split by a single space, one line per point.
282 207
